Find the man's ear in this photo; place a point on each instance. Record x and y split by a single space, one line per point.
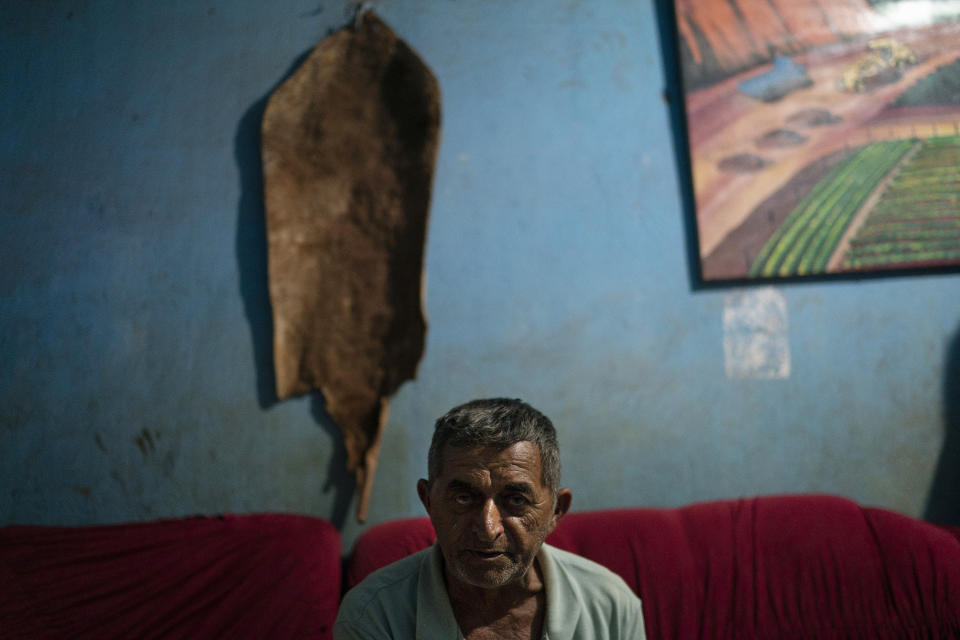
564 498
423 490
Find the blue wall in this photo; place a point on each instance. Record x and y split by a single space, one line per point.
135 331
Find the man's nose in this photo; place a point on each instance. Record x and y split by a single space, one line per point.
490 525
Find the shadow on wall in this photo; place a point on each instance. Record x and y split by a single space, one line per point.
673 96
943 504
251 248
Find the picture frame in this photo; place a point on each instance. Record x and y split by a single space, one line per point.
819 138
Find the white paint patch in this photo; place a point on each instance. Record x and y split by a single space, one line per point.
755 342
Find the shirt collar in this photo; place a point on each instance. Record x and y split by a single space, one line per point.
435 620
563 604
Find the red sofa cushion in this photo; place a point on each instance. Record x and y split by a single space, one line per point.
251 576
806 566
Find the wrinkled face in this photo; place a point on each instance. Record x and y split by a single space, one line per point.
491 512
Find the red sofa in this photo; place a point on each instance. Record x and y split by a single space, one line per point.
253 576
785 567
772 567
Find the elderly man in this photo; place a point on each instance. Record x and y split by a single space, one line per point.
492 495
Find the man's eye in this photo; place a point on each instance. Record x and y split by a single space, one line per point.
517 501
462 498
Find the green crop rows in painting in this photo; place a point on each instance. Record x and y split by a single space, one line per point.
809 235
917 219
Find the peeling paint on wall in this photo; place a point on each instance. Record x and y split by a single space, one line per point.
755 341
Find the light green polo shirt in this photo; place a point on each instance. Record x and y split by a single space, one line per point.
408 599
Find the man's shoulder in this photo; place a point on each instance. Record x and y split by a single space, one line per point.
390 587
590 599
589 577
584 566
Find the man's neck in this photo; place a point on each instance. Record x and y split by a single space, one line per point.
516 610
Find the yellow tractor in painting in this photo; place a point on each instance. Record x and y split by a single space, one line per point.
882 65
893 53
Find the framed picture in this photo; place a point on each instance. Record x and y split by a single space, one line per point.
823 135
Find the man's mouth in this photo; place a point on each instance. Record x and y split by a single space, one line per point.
486 555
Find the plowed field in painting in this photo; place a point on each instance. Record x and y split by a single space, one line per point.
807 239
890 205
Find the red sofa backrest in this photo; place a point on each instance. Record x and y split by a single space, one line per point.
251 576
778 567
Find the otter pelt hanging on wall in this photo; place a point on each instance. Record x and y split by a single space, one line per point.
349 144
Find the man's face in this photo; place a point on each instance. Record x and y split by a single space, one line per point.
491 512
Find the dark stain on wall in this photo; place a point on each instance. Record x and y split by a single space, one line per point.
146 441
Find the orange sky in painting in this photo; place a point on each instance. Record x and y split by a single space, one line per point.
739 31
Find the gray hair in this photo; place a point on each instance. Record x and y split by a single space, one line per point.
498 423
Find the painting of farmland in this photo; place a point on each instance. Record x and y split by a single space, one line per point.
824 135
